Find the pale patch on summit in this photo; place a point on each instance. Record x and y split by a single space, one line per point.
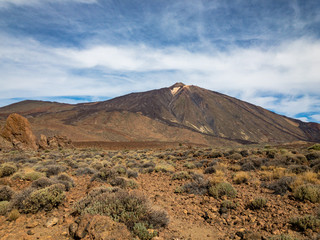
175 90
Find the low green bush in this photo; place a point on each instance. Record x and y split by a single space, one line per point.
222 189
129 208
6 193
45 198
305 222
4 206
308 192
7 169
258 203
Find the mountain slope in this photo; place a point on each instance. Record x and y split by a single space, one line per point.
178 113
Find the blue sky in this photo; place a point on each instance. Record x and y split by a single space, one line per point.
266 52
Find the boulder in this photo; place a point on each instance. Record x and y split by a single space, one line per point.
58 141
18 132
43 142
99 228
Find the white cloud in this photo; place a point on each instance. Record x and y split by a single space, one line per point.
8 3
31 69
315 117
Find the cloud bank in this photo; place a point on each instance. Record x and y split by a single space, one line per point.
281 75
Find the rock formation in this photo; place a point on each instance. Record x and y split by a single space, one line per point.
18 132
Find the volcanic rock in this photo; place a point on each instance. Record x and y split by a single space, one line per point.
18 132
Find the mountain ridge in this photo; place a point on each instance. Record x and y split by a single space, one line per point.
192 113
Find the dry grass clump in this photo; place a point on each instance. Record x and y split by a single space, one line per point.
241 177
13 215
164 167
258 203
308 192
181 175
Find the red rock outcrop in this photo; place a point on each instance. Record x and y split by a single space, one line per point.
18 132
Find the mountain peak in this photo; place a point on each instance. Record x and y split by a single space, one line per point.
177 85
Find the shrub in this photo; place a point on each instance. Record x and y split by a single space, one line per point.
65 179
209 170
308 192
198 186
6 193
313 156
129 208
189 165
7 169
241 177
142 232
235 156
4 206
305 222
84 171
164 167
42 182
46 198
132 174
315 147
244 153
226 205
248 166
13 215
181 175
298 169
32 176
258 203
222 189
282 185
283 237
52 170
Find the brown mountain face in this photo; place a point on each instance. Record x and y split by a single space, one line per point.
179 113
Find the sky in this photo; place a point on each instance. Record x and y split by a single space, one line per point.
266 52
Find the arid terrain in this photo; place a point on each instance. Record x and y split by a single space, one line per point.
184 192
192 164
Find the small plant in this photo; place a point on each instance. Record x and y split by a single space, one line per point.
241 177
6 193
222 189
283 237
7 169
13 215
210 170
164 167
4 205
130 208
32 176
142 232
46 198
227 205
305 222
315 147
258 203
181 175
308 192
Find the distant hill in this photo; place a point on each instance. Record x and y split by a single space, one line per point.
180 113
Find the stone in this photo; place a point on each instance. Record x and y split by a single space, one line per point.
99 228
30 232
17 131
51 222
43 142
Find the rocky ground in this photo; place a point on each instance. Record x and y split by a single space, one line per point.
268 193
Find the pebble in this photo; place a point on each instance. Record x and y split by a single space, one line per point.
51 222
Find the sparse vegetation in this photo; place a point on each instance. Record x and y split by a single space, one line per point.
258 203
305 222
222 189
